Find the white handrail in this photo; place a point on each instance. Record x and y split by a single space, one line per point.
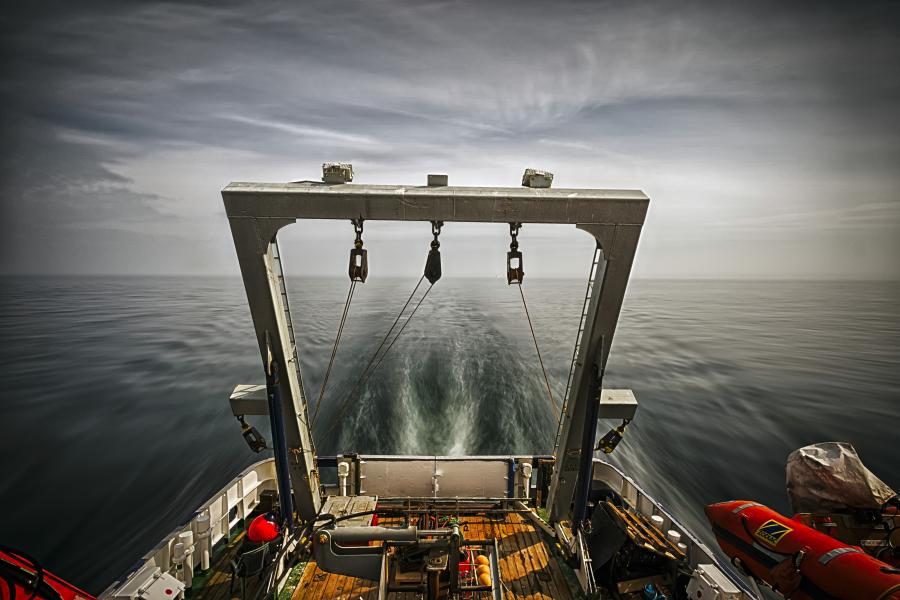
240 496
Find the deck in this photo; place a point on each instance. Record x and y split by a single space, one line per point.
527 568
216 584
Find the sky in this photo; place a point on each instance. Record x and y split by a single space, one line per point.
766 135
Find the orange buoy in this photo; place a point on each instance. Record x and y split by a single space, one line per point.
800 562
481 559
484 579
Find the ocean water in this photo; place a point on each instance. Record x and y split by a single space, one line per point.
115 391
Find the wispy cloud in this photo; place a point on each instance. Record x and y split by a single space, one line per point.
316 135
762 119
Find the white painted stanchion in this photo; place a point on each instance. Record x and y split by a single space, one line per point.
186 540
203 536
343 474
178 560
523 480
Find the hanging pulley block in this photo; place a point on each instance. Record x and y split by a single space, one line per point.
359 260
359 264
433 262
514 271
433 265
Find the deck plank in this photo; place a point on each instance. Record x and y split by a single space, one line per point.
532 563
518 558
218 584
512 568
527 567
548 564
536 566
304 582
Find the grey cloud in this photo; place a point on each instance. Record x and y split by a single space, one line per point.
133 116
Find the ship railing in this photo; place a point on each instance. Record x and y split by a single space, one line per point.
696 551
426 477
224 511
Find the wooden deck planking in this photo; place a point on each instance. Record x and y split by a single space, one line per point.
527 568
539 565
513 546
558 584
218 584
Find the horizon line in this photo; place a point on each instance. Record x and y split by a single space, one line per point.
394 277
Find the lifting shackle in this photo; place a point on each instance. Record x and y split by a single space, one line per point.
514 271
433 262
359 260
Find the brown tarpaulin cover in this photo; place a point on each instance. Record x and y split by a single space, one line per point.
830 476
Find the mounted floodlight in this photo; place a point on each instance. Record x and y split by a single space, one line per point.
534 178
337 172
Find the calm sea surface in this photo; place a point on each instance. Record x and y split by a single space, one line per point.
115 391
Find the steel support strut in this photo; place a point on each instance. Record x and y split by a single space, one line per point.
279 446
619 244
588 435
261 272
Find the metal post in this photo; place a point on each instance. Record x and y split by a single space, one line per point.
588 438
279 446
619 244
253 239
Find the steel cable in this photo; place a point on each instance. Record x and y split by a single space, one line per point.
368 368
337 341
408 319
540 359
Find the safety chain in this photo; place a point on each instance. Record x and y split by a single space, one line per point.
513 233
359 260
436 231
358 228
514 270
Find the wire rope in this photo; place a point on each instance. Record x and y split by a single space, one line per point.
369 369
408 319
540 359
337 341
